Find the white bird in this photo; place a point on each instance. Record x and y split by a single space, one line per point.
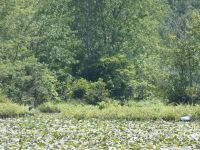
186 118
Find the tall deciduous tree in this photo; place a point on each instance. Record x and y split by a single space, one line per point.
183 50
108 29
22 77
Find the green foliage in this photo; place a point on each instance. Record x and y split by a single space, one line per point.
183 52
115 42
90 92
27 81
117 73
53 41
97 92
140 49
96 134
108 103
4 99
9 109
148 110
12 110
79 88
49 108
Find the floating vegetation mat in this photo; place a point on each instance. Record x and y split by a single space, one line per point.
54 132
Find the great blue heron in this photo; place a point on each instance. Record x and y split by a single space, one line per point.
31 106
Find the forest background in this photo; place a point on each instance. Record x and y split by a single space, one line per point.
95 51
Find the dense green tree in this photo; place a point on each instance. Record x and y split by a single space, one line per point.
94 49
108 29
22 78
54 43
183 51
99 25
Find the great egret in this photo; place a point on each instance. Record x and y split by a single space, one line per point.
186 118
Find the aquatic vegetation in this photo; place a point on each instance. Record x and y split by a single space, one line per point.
56 132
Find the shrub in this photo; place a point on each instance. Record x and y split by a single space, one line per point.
90 92
9 109
188 95
49 108
136 111
79 88
108 103
117 73
193 93
96 93
4 99
180 91
27 81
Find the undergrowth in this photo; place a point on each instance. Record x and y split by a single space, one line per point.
49 108
134 111
9 109
149 110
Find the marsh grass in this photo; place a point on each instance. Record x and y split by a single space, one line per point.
136 111
49 108
9 109
146 110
